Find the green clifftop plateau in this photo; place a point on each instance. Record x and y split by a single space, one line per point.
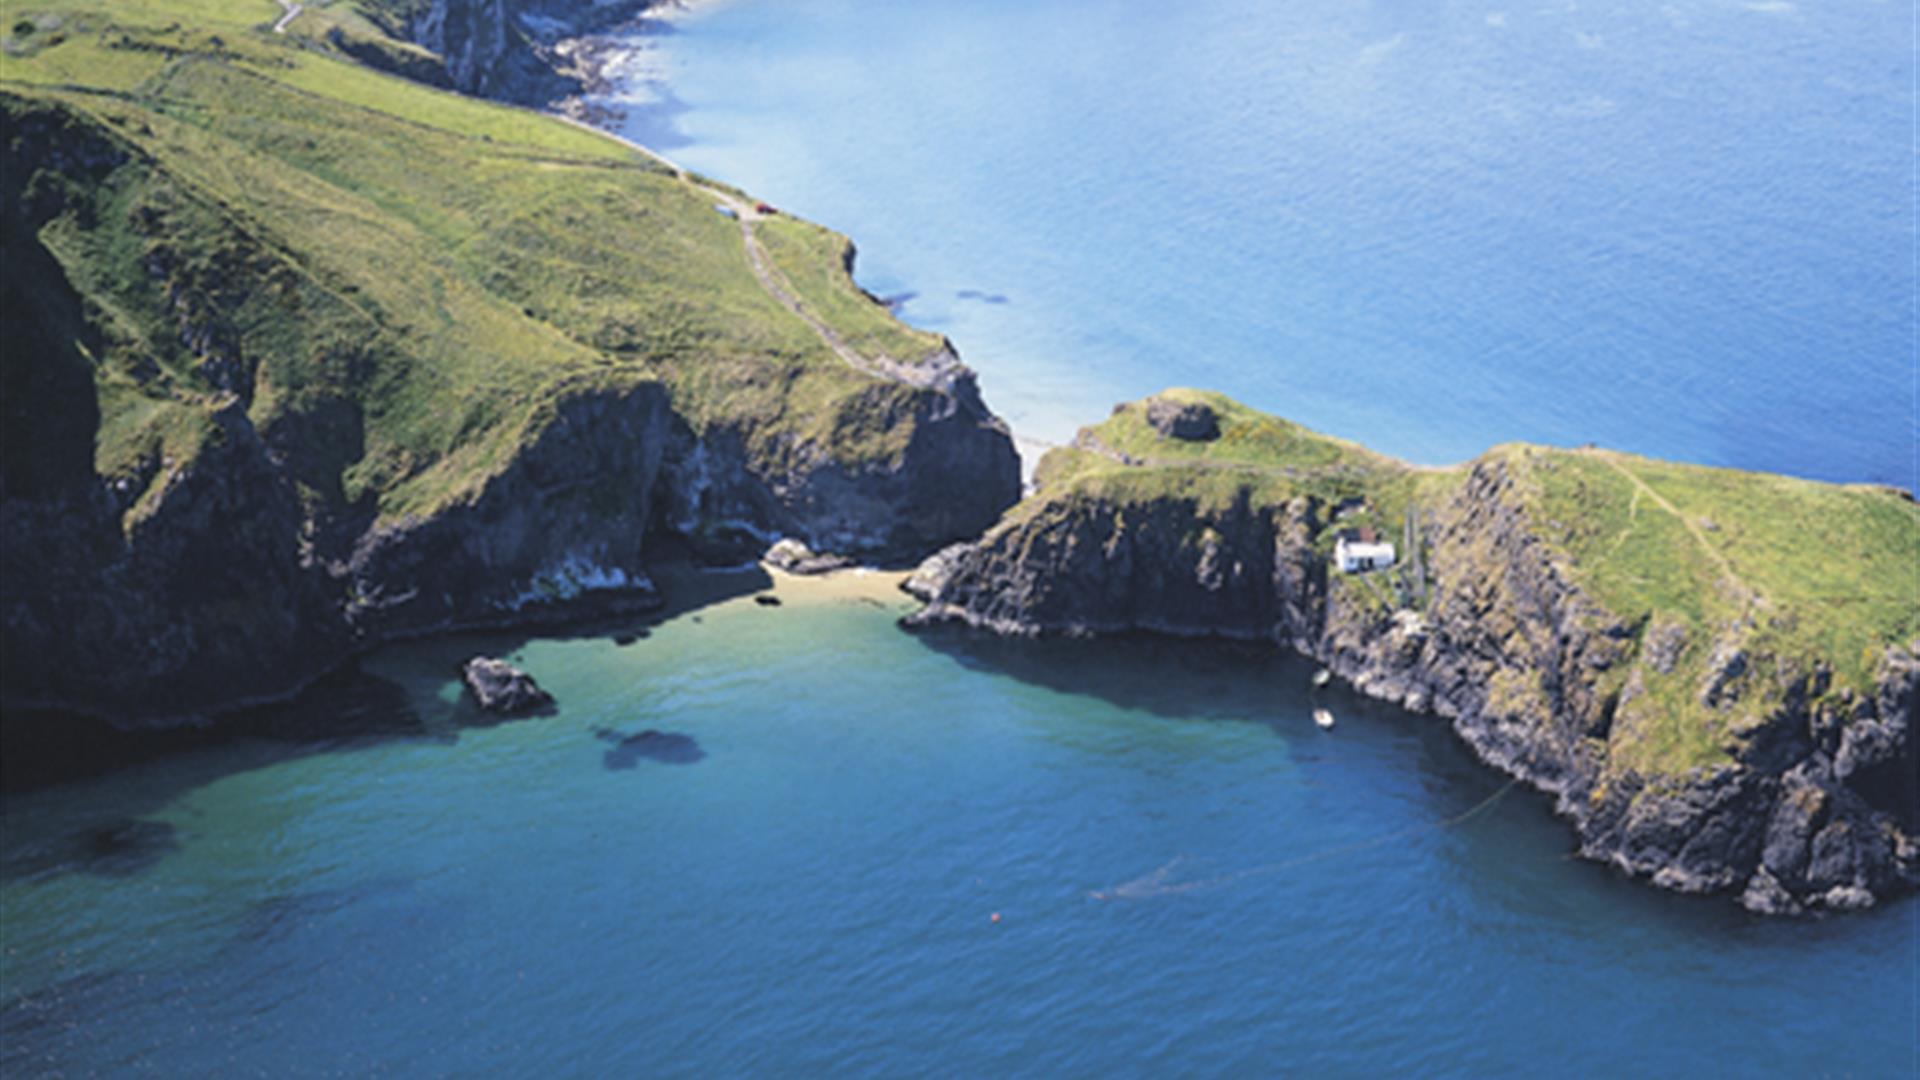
1714 672
305 356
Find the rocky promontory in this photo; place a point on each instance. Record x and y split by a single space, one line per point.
1718 699
303 376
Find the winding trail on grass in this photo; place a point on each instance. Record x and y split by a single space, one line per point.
1732 580
289 12
937 370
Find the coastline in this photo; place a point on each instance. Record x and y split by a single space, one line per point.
623 66
1353 650
560 529
1068 797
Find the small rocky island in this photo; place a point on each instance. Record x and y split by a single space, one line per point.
499 687
1713 672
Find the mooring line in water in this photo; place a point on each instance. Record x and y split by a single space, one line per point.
1155 883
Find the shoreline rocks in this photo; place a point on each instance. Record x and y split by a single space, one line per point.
232 570
793 557
1813 811
499 687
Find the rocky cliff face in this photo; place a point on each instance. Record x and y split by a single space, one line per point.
1815 810
213 591
511 49
562 526
957 472
213 555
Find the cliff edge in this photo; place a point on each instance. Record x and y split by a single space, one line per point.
1714 673
306 357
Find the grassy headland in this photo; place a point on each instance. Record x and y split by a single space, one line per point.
1810 581
446 266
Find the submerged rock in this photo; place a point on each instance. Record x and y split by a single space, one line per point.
666 747
499 687
116 848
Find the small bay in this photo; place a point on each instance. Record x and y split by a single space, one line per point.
1189 877
799 840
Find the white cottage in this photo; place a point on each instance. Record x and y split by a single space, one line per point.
1356 555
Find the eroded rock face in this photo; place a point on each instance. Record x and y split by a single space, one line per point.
499 687
957 472
1092 567
232 569
511 49
219 586
1816 811
793 557
1189 421
558 533
931 576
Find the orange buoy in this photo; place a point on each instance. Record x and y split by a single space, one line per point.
996 916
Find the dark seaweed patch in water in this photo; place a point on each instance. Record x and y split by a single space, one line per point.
983 297
666 747
280 916
767 600
118 848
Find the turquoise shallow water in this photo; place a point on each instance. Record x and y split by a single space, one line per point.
1683 229
815 893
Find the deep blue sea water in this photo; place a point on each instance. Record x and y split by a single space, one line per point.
809 887
1684 231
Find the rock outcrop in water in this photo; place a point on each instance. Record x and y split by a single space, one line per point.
499 687
1739 764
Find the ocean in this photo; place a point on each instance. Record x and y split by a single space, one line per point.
1683 230
847 850
798 840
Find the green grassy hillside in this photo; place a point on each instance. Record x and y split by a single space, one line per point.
1798 577
443 266
1257 456
1795 574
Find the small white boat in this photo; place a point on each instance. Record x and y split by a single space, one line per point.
1323 719
1322 677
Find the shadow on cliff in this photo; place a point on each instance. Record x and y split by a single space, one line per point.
117 835
685 587
1516 857
1202 679
114 834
